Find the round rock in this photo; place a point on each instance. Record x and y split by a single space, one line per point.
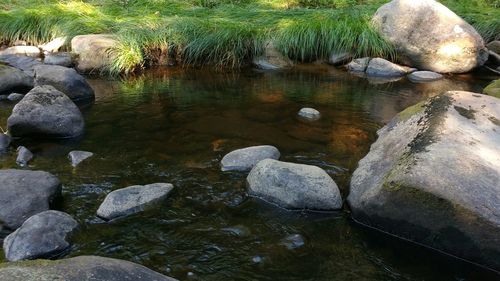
23 156
64 79
424 76
309 113
246 158
13 79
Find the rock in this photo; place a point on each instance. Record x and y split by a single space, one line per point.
24 194
64 79
82 268
132 199
54 45
424 76
62 59
4 141
238 230
429 36
30 51
294 186
309 113
358 65
43 235
339 58
15 97
293 241
23 156
246 158
272 59
23 63
13 79
493 58
4 97
494 46
383 68
433 177
95 51
46 112
78 157
493 89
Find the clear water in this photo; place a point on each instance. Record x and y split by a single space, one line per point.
174 125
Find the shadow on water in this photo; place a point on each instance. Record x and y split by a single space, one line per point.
174 125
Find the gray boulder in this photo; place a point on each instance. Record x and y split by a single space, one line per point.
24 194
13 79
95 51
424 76
23 156
246 158
271 59
433 177
62 59
26 64
132 199
43 235
4 141
30 51
15 97
358 65
309 113
383 68
46 112
82 268
64 79
76 157
429 36
294 186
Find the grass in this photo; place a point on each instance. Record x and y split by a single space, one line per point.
224 33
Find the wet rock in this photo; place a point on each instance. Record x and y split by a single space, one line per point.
82 268
383 68
23 156
23 63
339 58
12 79
246 158
62 59
43 235
294 186
272 59
238 230
293 241
358 65
494 46
493 89
95 51
432 177
429 36
24 194
30 51
64 79
76 157
46 112
309 113
15 97
4 141
424 76
54 45
132 199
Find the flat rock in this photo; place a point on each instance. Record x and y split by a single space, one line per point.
13 79
309 113
43 235
424 76
383 68
62 59
76 157
95 51
358 65
246 158
26 64
82 268
23 156
24 194
294 186
45 112
64 79
132 199
30 51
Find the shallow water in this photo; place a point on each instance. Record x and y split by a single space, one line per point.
174 125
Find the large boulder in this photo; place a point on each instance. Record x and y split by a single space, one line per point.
294 186
82 268
132 199
271 59
433 177
13 79
64 79
43 235
429 36
45 112
244 159
24 194
95 51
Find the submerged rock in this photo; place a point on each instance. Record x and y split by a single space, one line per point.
429 36
62 59
4 141
358 65
23 156
424 76
24 194
13 79
293 241
433 177
46 112
132 199
272 59
245 159
309 113
95 51
43 235
76 157
82 268
30 51
64 79
383 68
294 186
493 89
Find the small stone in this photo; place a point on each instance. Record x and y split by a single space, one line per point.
238 230
424 76
15 97
4 141
309 113
78 156
244 159
293 241
23 156
380 67
257 259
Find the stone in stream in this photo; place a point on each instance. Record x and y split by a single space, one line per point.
4 141
15 97
62 59
44 235
24 194
26 64
383 68
494 46
30 51
358 65
13 79
424 76
23 156
493 89
76 157
294 186
309 113
45 112
132 199
244 159
293 241
428 36
64 79
95 51
81 268
272 59
433 177
54 45
339 58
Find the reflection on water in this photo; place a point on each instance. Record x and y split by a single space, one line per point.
174 125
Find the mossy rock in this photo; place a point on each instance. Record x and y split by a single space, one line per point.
493 89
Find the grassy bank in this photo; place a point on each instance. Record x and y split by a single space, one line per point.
225 33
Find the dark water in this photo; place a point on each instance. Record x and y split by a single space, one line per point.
175 125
